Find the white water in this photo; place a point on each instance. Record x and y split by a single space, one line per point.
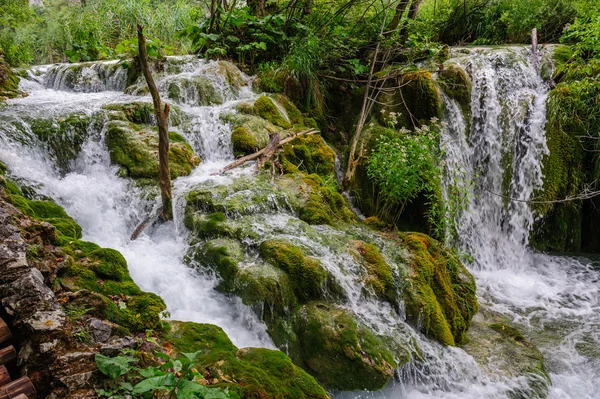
555 300
535 290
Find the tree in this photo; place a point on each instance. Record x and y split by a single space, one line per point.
162 118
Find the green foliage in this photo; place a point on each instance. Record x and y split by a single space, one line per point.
90 30
404 164
173 378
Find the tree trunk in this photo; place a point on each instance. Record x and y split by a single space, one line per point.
412 14
162 119
400 10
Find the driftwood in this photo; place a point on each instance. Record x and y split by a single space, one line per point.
7 354
162 119
4 331
4 376
22 386
266 153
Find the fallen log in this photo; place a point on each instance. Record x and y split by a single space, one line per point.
7 354
4 331
4 376
22 386
268 150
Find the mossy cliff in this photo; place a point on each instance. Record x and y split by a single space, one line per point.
9 81
571 164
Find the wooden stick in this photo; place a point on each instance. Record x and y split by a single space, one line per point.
257 154
22 386
269 150
21 396
7 354
4 331
4 376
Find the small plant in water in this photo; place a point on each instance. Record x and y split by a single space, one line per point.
172 379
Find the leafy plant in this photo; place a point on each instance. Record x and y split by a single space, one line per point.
171 378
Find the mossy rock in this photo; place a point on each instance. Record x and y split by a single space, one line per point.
307 275
195 90
503 352
339 351
441 297
293 113
324 204
456 83
310 154
104 272
379 277
265 108
47 211
231 74
250 372
142 113
63 137
415 103
135 149
243 142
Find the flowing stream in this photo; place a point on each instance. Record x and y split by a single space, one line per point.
554 300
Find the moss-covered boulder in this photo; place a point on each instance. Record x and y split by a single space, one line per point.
310 154
456 84
340 352
440 297
378 274
250 132
63 137
135 149
307 275
194 90
267 109
324 204
251 372
243 142
414 100
231 73
503 352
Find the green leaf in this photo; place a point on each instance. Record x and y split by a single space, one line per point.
190 390
192 356
114 367
166 381
177 366
163 356
126 386
150 372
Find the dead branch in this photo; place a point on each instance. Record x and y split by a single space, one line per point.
267 153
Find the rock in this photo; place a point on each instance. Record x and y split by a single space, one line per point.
250 372
503 352
342 353
194 90
101 331
135 149
440 298
115 346
309 154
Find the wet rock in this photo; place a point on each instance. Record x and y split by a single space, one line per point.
101 331
115 346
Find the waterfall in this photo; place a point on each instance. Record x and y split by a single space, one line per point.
492 156
496 165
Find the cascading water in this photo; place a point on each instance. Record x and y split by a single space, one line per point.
554 299
497 166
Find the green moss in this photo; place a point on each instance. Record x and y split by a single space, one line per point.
136 151
47 211
379 275
266 108
441 298
104 272
243 142
251 372
63 137
457 85
309 154
111 264
324 204
9 81
307 275
292 111
341 353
